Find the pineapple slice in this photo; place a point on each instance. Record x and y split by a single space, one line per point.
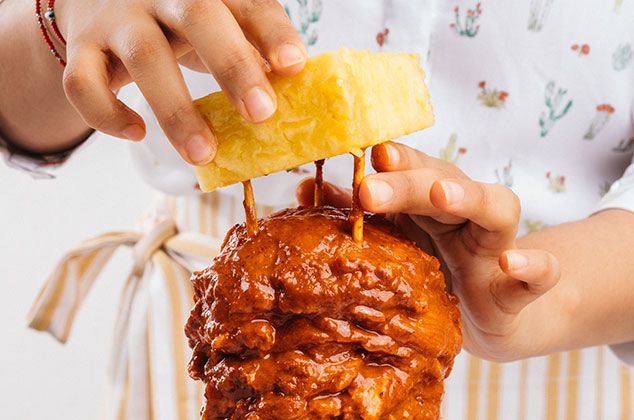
343 100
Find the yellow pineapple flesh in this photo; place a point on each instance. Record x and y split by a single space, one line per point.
342 101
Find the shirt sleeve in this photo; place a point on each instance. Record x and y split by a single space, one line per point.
38 166
621 193
621 196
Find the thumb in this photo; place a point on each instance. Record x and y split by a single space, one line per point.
531 273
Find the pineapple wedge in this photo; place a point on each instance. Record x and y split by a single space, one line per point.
343 100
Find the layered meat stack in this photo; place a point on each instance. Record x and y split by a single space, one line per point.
299 322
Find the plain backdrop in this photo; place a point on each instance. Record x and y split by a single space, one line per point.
95 191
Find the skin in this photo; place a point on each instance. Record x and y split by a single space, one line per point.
115 42
564 287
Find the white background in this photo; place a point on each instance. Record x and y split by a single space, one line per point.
97 190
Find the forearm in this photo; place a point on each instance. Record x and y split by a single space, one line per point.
593 303
34 112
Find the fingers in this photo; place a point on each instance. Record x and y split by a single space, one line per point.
267 26
211 29
403 192
86 87
390 157
148 58
333 195
417 184
493 207
532 273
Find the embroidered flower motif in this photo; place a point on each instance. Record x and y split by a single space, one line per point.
309 13
556 183
449 153
506 178
298 170
470 28
599 121
492 98
581 50
553 100
381 37
621 57
539 10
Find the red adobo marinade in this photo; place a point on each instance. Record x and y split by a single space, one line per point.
300 322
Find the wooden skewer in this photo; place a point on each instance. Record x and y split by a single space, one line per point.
319 183
250 213
356 213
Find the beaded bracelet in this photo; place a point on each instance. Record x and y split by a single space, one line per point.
50 15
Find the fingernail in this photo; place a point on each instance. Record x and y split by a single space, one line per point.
199 150
259 104
290 55
516 260
393 155
134 132
454 193
380 191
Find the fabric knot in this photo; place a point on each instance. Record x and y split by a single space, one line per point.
150 243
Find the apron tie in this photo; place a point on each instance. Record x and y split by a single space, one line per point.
72 278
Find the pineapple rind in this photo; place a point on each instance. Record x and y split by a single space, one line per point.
343 100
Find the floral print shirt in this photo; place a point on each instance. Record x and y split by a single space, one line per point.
535 95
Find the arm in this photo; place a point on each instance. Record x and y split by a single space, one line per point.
34 112
593 302
115 42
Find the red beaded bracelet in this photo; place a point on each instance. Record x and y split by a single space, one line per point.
47 39
50 15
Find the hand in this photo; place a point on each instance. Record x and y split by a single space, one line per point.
114 42
471 227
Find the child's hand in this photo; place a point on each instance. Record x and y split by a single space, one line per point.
471 227
114 42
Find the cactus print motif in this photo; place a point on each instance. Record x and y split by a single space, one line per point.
506 177
538 13
622 56
309 14
581 49
557 183
617 5
624 145
449 153
599 121
534 226
492 98
553 99
470 27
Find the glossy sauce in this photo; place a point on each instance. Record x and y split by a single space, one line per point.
301 322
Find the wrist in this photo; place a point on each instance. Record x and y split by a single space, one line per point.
545 324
